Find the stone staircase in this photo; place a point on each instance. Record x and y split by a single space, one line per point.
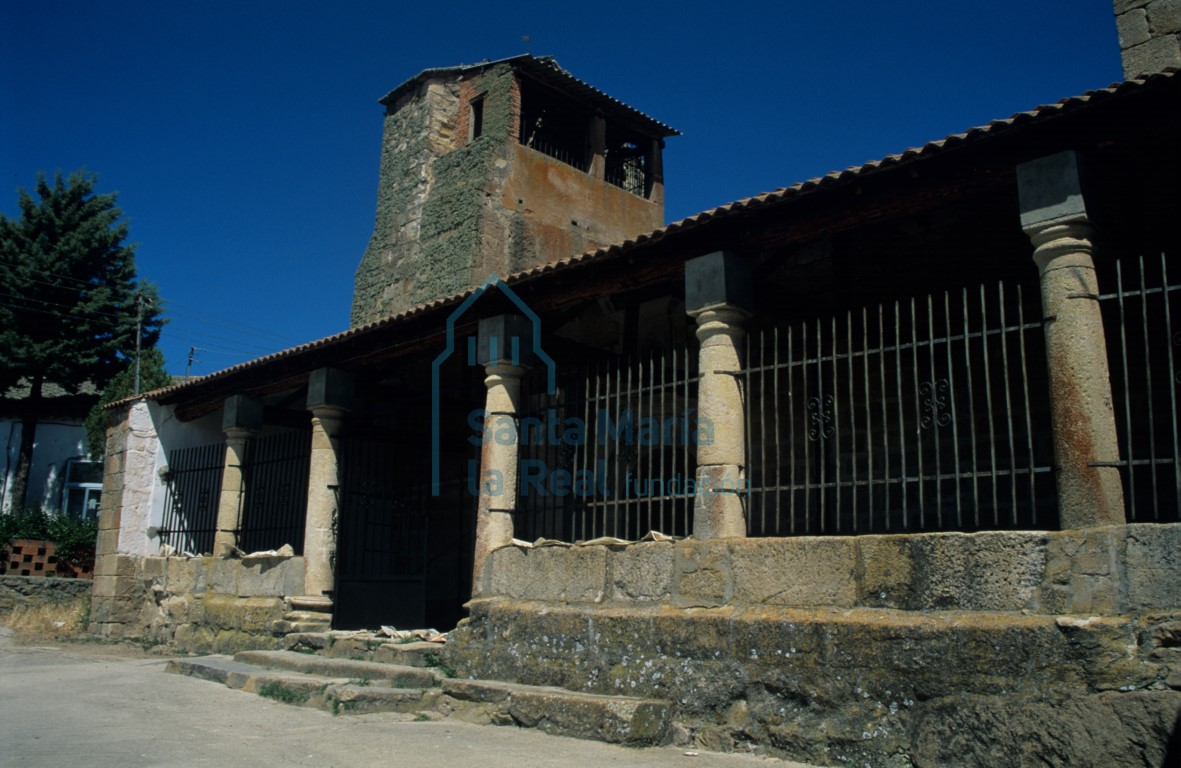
359 673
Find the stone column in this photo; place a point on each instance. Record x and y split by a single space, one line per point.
598 137
656 172
329 400
241 420
1053 214
717 291
503 342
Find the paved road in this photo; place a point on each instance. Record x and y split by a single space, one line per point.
75 705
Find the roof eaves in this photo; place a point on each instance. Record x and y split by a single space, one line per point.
775 197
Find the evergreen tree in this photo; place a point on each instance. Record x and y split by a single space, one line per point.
152 375
69 298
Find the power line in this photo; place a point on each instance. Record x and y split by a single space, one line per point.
264 336
256 332
62 315
63 306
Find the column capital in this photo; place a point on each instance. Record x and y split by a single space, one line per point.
504 339
717 280
239 434
497 372
331 418
241 412
1054 242
724 320
1050 192
329 388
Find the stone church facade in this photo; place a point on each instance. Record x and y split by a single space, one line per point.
879 467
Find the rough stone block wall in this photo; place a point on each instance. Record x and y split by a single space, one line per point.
928 649
108 588
199 604
33 591
1106 571
412 139
1149 35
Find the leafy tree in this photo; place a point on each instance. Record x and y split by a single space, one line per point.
152 375
69 297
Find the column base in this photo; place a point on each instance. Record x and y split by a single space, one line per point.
313 603
306 613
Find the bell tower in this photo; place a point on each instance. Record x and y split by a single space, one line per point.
498 167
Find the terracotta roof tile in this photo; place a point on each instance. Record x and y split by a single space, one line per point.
780 195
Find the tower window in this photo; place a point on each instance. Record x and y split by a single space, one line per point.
627 160
477 123
555 125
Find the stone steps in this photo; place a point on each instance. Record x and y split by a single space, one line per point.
335 692
355 673
614 719
363 646
390 675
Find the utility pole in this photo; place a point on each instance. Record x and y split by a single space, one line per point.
139 322
192 356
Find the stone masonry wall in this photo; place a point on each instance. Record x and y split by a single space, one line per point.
415 134
200 604
1106 571
1149 35
911 650
33 591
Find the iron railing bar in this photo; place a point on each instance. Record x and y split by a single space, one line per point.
663 410
903 347
1119 287
1165 289
659 420
935 436
632 455
914 365
868 412
1008 406
885 419
1148 386
791 431
955 422
901 421
1041 470
821 459
1173 384
988 407
687 458
775 390
971 412
1028 406
836 428
852 412
748 437
808 437
582 459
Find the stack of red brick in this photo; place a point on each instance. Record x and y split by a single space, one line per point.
34 557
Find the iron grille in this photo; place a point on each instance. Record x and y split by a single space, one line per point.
624 435
1144 349
276 492
191 498
915 415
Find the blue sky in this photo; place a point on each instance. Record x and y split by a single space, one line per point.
243 137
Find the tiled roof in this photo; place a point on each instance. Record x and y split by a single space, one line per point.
765 200
546 69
